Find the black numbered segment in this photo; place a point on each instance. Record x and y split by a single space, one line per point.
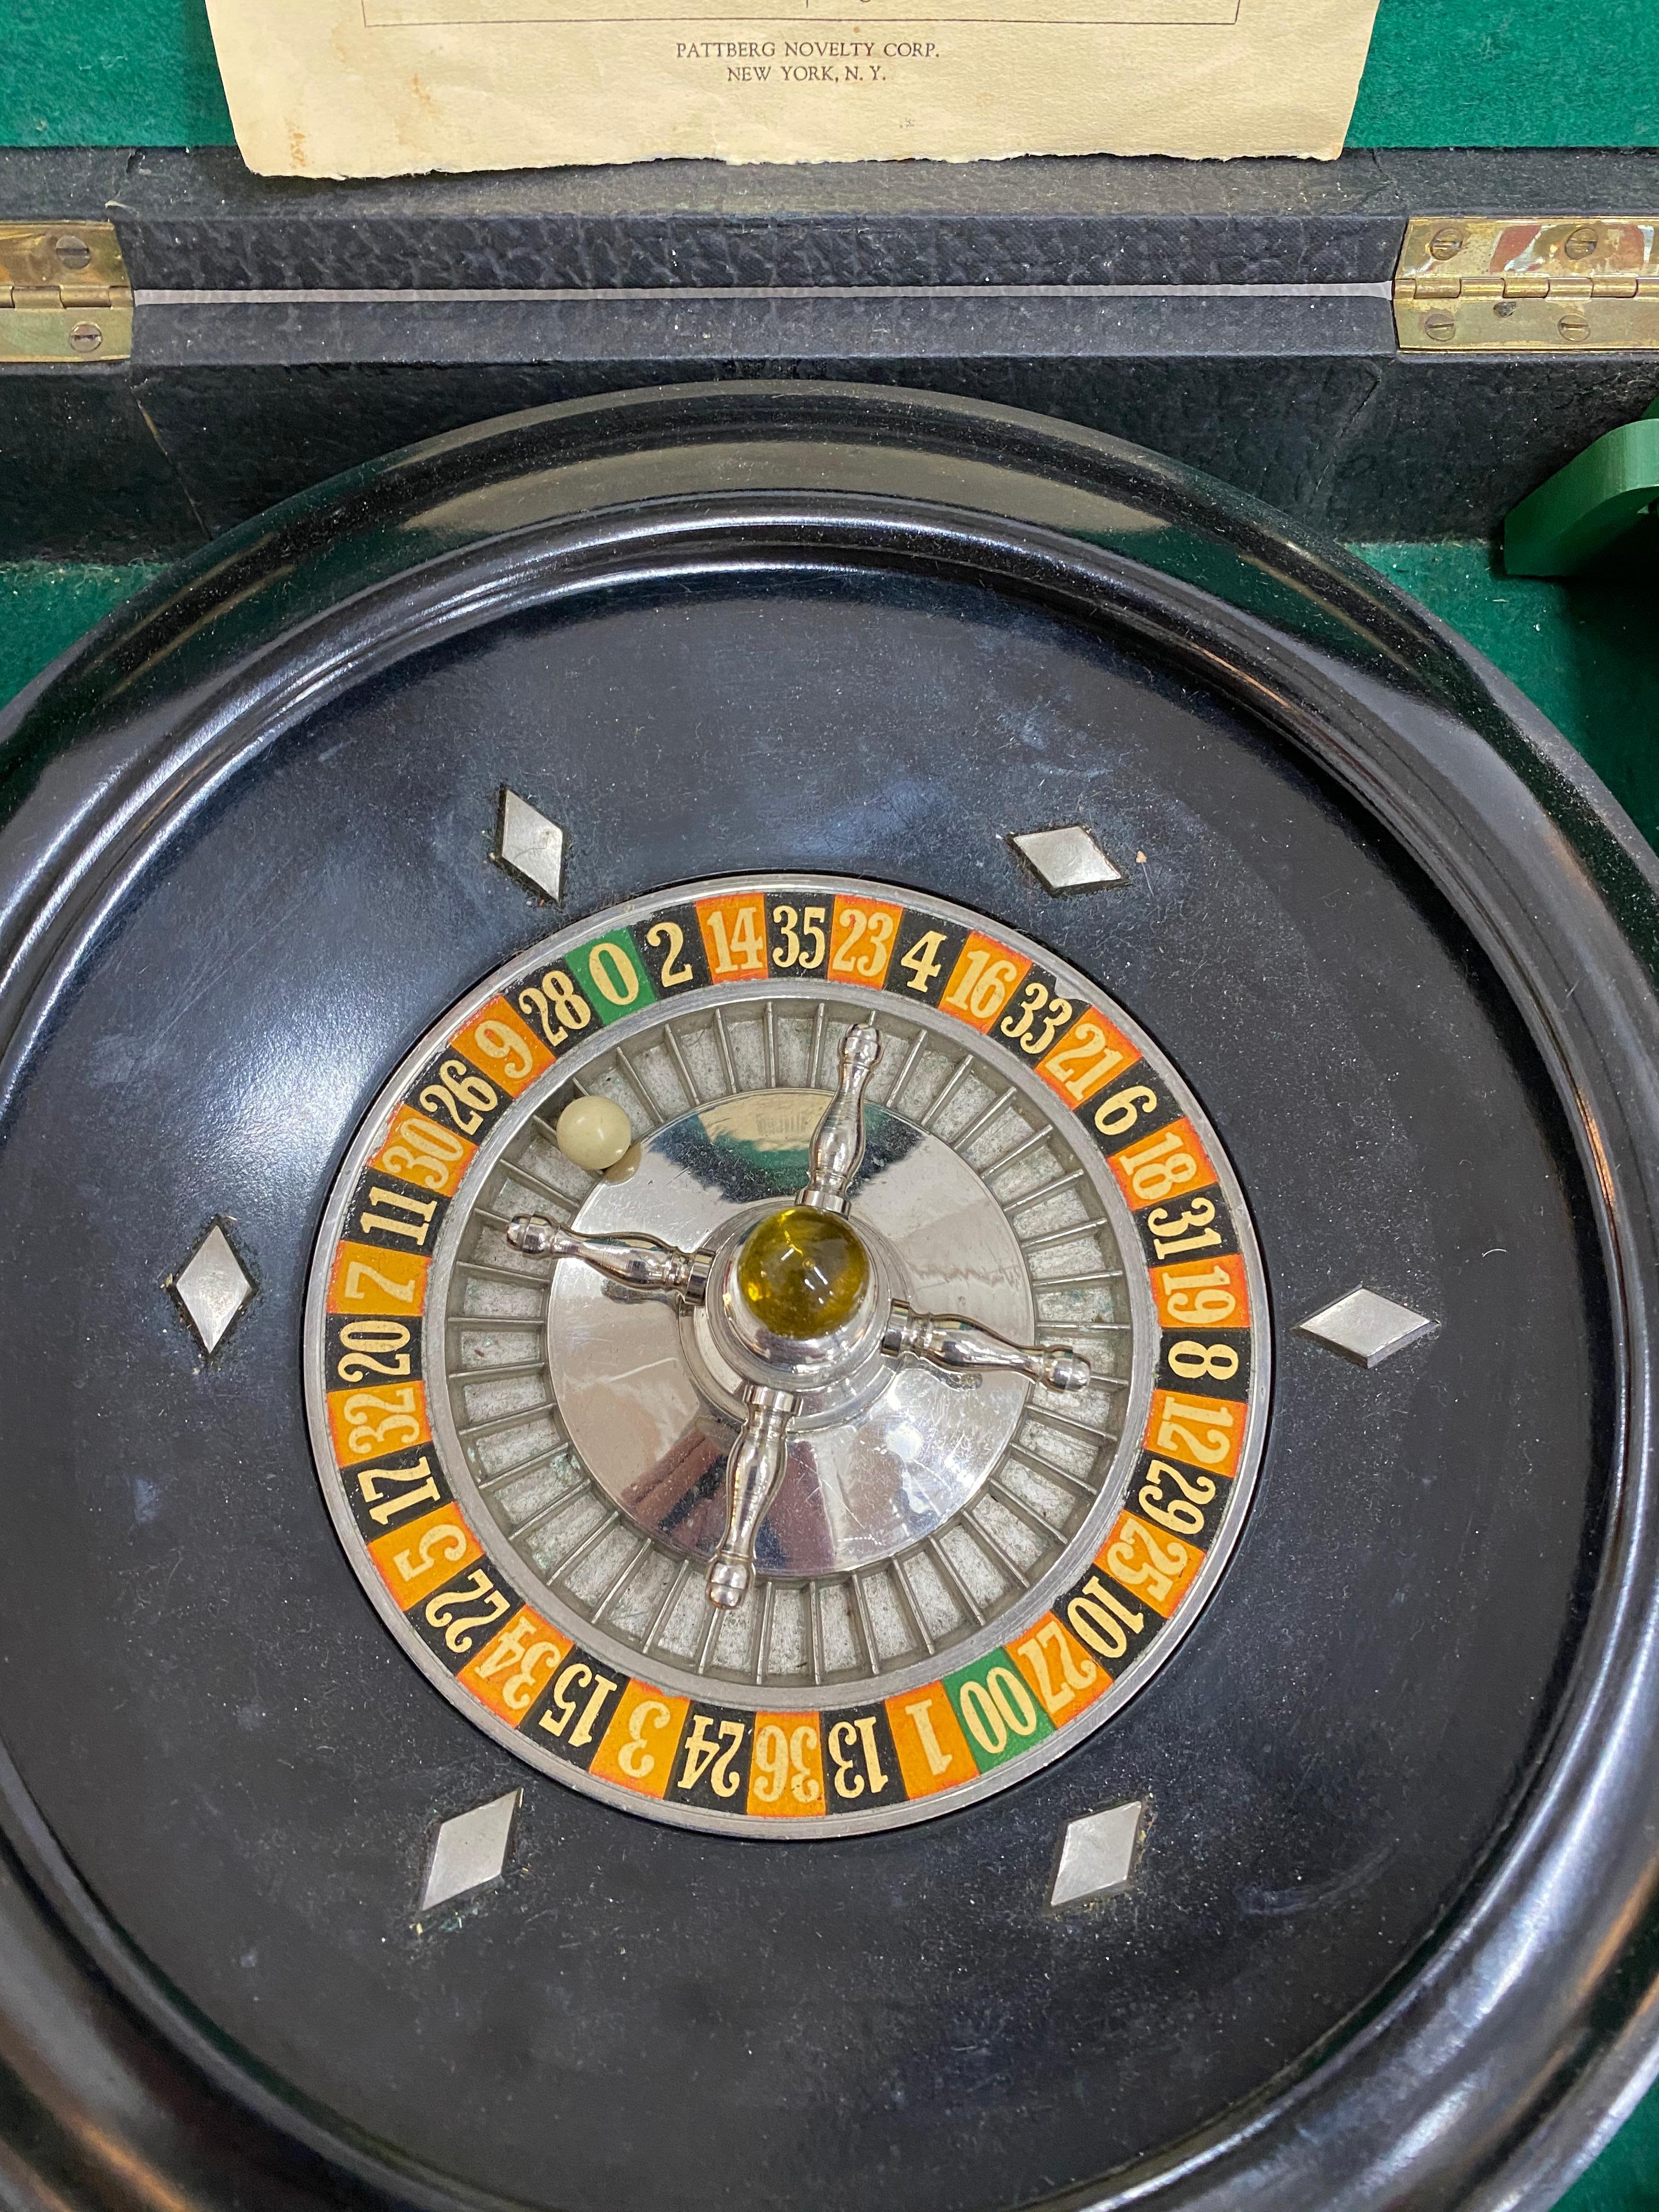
572 1713
451 1091
860 1766
1036 1017
1137 1103
1186 1228
398 1216
1107 1621
385 1494
711 1766
671 945
797 933
456 1620
923 956
555 1006
1214 1361
1183 1500
361 1350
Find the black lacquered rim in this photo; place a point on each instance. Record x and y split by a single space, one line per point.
1498 2062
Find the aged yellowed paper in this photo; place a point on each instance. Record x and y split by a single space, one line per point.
377 87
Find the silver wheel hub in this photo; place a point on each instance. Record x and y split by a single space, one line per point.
881 1456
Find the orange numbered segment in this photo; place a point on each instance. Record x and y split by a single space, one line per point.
933 1752
733 936
364 1279
982 981
862 936
513 1670
369 1424
1206 1432
637 1751
414 1560
423 1153
1162 1166
1062 1676
786 1773
1155 1566
1203 1294
496 1040
1085 1060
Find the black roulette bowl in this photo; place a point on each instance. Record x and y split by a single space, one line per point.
1389 1937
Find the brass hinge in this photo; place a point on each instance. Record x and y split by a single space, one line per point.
1572 284
64 293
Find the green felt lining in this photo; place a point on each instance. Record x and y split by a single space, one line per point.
1584 651
45 605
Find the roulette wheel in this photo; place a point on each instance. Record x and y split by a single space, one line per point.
827 1350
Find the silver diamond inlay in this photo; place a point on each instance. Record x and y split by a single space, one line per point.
470 1851
213 1286
1097 1854
529 844
1068 859
1366 1327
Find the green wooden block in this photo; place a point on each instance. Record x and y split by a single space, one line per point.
1589 505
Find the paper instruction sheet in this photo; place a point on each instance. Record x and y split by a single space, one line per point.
381 87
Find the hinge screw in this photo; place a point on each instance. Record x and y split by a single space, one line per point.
1446 242
86 338
1440 324
1573 325
1580 244
73 252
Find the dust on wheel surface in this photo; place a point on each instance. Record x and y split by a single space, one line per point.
736 650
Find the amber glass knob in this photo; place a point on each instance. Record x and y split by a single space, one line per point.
802 1272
